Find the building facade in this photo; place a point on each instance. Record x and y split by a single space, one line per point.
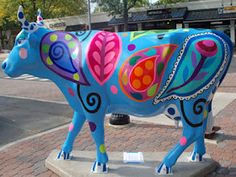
211 14
76 23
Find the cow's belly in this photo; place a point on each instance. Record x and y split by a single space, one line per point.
140 110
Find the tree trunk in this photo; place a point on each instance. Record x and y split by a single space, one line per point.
34 5
44 3
125 14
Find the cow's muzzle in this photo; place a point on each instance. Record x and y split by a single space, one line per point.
4 65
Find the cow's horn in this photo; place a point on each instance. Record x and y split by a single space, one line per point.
39 17
21 17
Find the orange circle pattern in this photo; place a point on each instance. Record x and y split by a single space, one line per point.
143 74
138 71
147 79
136 84
149 65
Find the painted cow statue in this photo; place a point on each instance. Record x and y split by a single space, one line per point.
141 73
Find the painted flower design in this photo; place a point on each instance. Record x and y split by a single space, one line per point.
206 48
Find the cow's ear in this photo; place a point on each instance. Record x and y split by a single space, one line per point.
21 18
40 18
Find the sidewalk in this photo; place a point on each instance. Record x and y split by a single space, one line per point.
27 157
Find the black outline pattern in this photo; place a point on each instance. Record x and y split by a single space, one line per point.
92 99
197 109
89 32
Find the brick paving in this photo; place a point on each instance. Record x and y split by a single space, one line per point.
27 158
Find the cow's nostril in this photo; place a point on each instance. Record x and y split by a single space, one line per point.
4 65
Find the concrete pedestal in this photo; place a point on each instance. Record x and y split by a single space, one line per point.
81 162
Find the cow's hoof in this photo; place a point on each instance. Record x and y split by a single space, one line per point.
195 157
163 170
62 155
99 167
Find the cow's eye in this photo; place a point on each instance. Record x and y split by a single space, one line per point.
21 41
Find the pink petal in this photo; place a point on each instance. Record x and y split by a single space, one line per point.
109 57
110 38
109 46
108 68
97 57
97 69
99 45
101 37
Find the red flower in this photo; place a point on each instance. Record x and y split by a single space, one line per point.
206 48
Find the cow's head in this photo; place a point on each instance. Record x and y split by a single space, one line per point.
25 55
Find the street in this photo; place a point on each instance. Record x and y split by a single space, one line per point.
20 118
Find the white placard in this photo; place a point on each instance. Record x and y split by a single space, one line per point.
133 157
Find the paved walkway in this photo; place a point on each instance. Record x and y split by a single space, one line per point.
26 158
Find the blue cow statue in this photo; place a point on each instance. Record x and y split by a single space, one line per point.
141 73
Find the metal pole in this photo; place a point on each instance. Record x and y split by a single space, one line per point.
89 15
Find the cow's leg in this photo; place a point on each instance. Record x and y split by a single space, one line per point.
192 131
198 151
97 131
170 159
199 146
95 106
210 120
74 129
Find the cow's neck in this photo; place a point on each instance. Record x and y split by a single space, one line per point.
69 90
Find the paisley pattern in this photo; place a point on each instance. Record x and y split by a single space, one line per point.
61 53
198 73
103 55
200 62
141 75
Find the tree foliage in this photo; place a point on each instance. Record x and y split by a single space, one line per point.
116 7
165 2
50 9
121 7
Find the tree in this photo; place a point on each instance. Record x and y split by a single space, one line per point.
121 7
165 2
50 9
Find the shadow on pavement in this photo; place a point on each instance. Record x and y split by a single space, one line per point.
20 118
